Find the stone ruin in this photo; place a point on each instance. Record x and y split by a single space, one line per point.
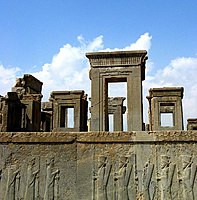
20 110
43 156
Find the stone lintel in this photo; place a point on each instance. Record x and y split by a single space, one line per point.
116 58
116 101
192 120
47 106
67 94
32 97
166 91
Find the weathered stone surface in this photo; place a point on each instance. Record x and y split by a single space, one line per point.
115 107
28 85
61 102
11 112
192 124
98 165
64 163
119 66
20 109
167 100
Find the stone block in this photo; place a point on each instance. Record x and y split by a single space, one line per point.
192 124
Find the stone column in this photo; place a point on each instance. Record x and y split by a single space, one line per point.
134 103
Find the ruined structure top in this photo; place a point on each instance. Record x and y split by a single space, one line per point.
166 91
118 59
28 85
20 109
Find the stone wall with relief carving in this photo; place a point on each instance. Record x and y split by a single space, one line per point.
37 166
99 166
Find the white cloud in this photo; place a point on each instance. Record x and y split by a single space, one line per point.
143 43
7 78
69 68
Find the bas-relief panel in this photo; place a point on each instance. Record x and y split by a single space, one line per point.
35 172
85 164
99 168
145 171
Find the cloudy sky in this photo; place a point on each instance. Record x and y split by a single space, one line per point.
49 39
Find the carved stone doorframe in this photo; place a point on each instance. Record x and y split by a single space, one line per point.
118 66
163 101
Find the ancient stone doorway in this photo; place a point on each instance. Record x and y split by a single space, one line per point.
120 66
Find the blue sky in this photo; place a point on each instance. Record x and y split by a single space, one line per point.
50 38
32 31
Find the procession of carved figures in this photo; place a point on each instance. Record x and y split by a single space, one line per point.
31 184
123 179
118 180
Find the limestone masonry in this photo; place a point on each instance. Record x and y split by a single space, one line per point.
52 151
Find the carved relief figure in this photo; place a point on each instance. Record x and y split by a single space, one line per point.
101 178
147 175
31 191
165 178
56 186
12 186
188 174
122 176
51 185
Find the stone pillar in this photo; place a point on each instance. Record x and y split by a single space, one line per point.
3 114
192 124
165 103
63 101
115 107
134 104
120 66
46 116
